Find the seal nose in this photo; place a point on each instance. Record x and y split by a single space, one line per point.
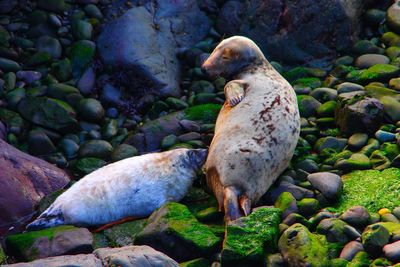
204 69
198 156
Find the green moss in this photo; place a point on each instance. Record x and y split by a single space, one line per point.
284 201
339 262
3 256
207 113
196 263
308 82
380 262
249 238
378 72
81 56
372 189
296 73
360 260
87 165
20 243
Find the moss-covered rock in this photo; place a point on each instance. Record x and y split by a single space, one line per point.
334 230
81 56
360 260
378 72
374 237
172 229
85 166
61 91
249 238
372 189
357 161
299 247
201 262
96 148
50 113
207 113
13 120
123 234
286 203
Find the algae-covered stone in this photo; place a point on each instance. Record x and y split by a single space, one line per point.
124 234
374 237
299 247
87 165
55 241
207 113
393 17
357 161
249 238
172 229
286 203
91 109
123 151
381 262
3 256
378 72
327 109
334 230
360 260
201 262
96 148
7 65
81 56
372 189
50 113
308 105
308 206
61 91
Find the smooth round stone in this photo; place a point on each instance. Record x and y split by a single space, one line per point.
9 81
392 108
29 76
69 148
94 135
384 136
8 65
202 87
54 21
112 113
95 148
323 94
368 60
358 140
374 17
91 110
190 126
93 11
308 105
86 82
374 238
327 109
392 251
396 212
307 165
123 151
176 103
109 129
40 143
350 250
345 60
169 141
395 83
333 229
82 30
308 206
15 96
329 184
49 45
388 217
393 17
348 87
351 232
189 137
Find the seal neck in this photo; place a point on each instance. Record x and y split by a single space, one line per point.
260 65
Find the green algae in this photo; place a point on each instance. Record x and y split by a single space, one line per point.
360 260
248 239
201 262
206 112
370 188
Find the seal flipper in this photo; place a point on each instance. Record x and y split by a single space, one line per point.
231 205
49 218
245 204
234 92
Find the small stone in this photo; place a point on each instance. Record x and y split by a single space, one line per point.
52 5
93 11
85 166
384 136
82 30
50 45
333 229
95 148
29 76
87 81
308 206
190 126
90 109
395 83
357 161
337 144
294 218
189 137
324 94
308 105
109 129
351 232
396 212
8 65
123 151
392 251
374 237
176 103
111 94
393 17
69 148
368 60
327 109
358 140
357 216
40 143
350 250
388 217
329 184
286 203
169 141
348 87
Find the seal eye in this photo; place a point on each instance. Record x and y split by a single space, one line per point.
226 54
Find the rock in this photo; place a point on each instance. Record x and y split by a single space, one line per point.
176 103
337 144
275 33
52 5
51 113
357 216
347 87
93 11
91 109
327 109
69 148
299 247
360 259
248 239
123 151
376 73
40 143
395 83
111 94
85 166
350 250
366 47
172 229
384 136
6 6
297 191
25 180
392 251
323 94
358 140
13 121
82 30
7 65
369 60
152 62
81 55
50 242
374 237
308 206
29 76
308 105
293 218
95 148
50 45
3 131
392 107
357 161
286 203
365 115
393 17
87 81
388 217
134 256
333 229
61 91
189 137
361 186
82 260
329 184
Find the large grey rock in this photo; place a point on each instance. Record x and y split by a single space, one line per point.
299 31
82 260
24 181
143 42
135 256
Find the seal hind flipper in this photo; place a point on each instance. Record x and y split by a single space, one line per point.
231 204
245 204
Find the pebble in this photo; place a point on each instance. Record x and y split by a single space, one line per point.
91 109
384 136
351 232
111 94
374 238
368 60
49 45
350 250
396 212
190 126
358 140
388 217
87 81
8 65
329 184
29 76
357 216
392 251
189 137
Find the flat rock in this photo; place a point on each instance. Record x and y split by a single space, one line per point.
82 260
25 180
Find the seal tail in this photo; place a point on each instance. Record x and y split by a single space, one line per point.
49 218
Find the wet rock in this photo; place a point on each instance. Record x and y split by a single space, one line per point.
50 45
374 237
392 107
286 203
123 151
82 260
308 105
157 67
52 5
86 83
369 60
330 185
384 136
338 144
333 229
7 65
392 251
95 148
29 76
297 191
360 259
248 239
357 161
299 247
50 242
26 180
133 256
327 109
93 11
358 140
85 166
350 250
376 73
81 55
111 94
69 148
294 218
172 229
393 17
365 115
40 143
51 113
91 109
357 216
308 206
82 30
61 91
323 94
347 87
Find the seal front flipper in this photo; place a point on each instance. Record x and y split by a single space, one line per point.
234 92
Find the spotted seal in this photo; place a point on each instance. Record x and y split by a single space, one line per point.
256 130
132 187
